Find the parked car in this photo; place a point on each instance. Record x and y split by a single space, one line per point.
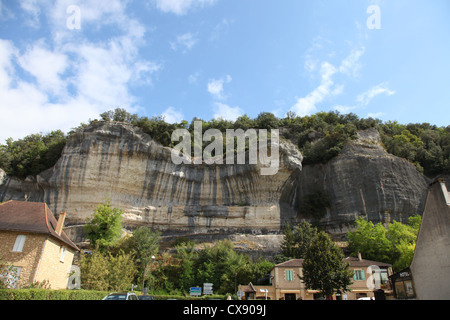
146 297
121 296
366 298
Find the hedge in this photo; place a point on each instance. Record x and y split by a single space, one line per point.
46 294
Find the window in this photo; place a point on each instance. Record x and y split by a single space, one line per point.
289 275
18 245
10 276
380 276
63 253
359 275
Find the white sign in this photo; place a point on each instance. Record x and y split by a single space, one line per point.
207 288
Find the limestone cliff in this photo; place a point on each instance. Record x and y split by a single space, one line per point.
365 180
120 162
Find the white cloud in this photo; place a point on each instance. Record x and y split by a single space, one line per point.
185 41
220 28
181 7
223 111
215 86
193 78
327 87
171 115
344 109
350 65
31 7
375 115
307 105
46 66
69 77
365 98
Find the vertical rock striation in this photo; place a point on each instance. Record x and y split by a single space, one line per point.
365 180
120 162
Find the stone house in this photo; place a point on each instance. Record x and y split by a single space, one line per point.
33 245
286 284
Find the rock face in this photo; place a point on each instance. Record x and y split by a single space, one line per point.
120 162
365 180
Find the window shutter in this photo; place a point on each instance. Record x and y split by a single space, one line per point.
289 275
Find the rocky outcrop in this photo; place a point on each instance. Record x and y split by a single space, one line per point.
120 162
364 180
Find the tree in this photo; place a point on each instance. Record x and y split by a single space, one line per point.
121 271
32 154
185 256
296 241
370 240
145 246
324 268
100 271
105 227
394 244
94 271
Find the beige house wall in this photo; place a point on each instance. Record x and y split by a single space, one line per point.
282 286
52 268
39 259
27 260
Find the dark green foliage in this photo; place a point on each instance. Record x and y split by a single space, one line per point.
220 265
320 137
46 294
324 268
296 241
425 145
32 154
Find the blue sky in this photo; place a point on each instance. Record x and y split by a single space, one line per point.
65 61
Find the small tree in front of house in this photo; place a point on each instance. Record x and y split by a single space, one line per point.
324 268
105 227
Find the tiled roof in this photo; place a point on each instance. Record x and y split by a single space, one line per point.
33 217
356 262
291 263
250 288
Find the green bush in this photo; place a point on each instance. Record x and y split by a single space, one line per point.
46 294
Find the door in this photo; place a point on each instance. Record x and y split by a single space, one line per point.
289 296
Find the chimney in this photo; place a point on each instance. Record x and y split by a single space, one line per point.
60 224
359 256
